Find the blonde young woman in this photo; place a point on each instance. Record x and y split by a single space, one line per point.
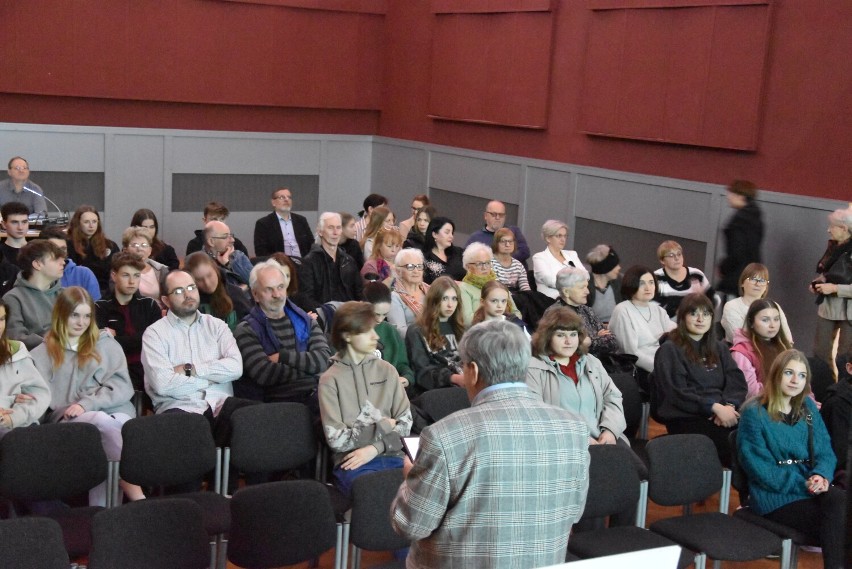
381 262
86 372
382 218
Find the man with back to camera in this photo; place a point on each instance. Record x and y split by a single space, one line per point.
219 244
32 298
327 273
499 484
19 188
282 230
284 350
213 211
495 218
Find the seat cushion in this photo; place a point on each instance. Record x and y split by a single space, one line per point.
612 541
215 509
719 536
785 532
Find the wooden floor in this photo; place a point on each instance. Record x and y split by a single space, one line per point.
806 560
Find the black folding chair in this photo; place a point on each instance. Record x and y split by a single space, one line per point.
372 495
32 542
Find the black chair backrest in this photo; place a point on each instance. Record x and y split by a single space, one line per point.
372 495
683 469
739 480
272 436
613 482
166 450
631 400
32 542
280 523
51 462
433 405
166 532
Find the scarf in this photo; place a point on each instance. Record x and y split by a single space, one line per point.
479 280
408 299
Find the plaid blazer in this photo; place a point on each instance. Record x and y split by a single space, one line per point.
497 485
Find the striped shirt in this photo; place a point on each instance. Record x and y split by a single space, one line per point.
514 277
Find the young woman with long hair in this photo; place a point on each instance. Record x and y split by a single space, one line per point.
381 218
758 342
161 251
218 297
87 374
753 285
89 246
495 303
381 262
24 395
786 453
432 342
697 387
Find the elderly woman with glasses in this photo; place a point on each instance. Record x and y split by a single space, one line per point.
555 257
509 270
753 285
409 290
477 260
675 280
137 240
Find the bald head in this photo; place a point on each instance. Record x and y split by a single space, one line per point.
495 215
217 236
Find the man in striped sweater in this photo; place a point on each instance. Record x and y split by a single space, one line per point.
284 350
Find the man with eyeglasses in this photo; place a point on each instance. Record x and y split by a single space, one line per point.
213 211
495 218
219 244
675 280
190 359
19 188
282 230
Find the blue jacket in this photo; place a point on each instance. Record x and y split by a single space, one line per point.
762 443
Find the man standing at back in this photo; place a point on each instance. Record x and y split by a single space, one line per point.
499 484
282 230
495 218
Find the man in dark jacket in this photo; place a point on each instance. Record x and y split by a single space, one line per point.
327 273
743 236
282 230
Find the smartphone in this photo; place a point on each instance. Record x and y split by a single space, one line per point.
411 445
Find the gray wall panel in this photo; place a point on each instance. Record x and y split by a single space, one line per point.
399 173
548 196
62 149
136 180
489 179
346 180
244 155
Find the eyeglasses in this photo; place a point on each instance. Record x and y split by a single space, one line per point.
225 236
140 245
497 215
481 264
675 255
20 168
181 290
760 281
506 241
281 198
411 267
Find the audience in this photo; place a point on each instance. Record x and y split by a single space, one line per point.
441 256
382 259
638 322
161 252
284 350
409 290
371 202
786 453
213 211
758 343
432 342
217 296
696 378
417 202
125 314
380 219
675 280
363 405
495 303
31 300
391 346
16 224
19 188
89 247
282 231
327 273
753 285
495 219
87 374
347 242
416 236
73 275
219 245
508 270
24 395
138 242
605 291
555 257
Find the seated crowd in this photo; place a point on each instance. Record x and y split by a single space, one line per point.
359 320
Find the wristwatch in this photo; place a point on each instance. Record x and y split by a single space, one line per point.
187 369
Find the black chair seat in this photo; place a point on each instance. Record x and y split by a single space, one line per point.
215 510
32 542
784 532
613 541
719 536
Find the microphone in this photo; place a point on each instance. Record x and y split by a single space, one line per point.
61 218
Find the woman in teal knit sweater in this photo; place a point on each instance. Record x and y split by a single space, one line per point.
786 453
